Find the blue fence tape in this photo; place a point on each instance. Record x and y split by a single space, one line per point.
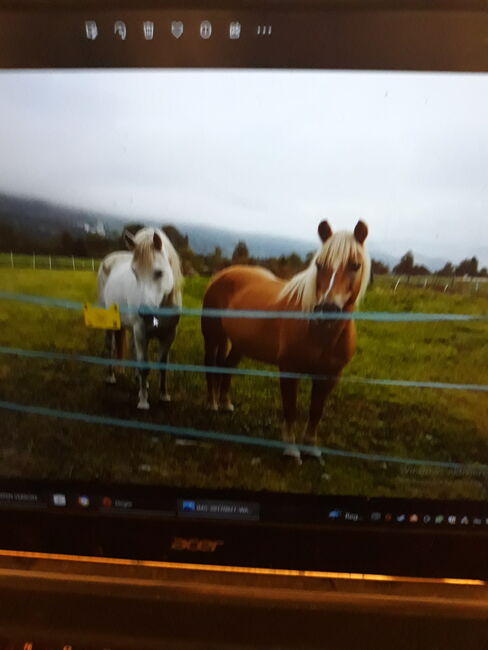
223 437
389 317
228 437
250 372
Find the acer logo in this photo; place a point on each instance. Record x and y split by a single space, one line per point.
195 545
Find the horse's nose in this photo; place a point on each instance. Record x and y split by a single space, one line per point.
328 307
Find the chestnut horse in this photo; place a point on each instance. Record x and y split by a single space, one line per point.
334 281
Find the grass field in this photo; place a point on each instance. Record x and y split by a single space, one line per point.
406 422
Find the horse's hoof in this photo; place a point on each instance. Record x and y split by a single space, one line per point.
143 405
293 453
213 406
110 379
186 442
228 407
313 453
164 397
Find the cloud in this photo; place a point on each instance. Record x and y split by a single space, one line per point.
262 151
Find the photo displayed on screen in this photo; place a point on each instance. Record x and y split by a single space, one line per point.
260 280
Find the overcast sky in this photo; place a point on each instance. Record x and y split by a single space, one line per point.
273 152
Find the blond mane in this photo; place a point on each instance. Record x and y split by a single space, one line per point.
144 257
335 253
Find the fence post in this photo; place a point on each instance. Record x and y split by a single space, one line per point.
33 260
50 263
12 259
93 264
73 260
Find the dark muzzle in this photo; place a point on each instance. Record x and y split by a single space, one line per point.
323 325
327 308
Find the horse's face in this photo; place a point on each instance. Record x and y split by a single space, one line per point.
339 283
151 267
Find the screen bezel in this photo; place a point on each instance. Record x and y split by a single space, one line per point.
449 36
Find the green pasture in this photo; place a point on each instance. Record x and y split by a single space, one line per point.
447 425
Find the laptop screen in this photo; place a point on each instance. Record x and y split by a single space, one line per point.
268 280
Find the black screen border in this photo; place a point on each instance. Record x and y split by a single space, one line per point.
449 36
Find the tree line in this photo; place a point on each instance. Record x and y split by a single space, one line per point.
64 242
91 244
467 267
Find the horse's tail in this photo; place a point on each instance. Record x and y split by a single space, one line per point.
102 276
121 343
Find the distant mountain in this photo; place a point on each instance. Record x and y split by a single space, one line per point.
378 255
43 220
204 239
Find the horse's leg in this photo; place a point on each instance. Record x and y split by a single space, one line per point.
109 351
320 390
213 336
132 350
210 361
164 396
289 389
165 344
140 343
231 361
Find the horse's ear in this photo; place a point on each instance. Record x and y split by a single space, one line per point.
361 231
129 240
157 241
325 231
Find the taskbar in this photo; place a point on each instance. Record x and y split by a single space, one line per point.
148 502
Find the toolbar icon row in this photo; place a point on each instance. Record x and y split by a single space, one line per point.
176 28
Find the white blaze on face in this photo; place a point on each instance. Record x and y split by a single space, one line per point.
329 288
337 299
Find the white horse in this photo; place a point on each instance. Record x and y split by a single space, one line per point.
149 276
